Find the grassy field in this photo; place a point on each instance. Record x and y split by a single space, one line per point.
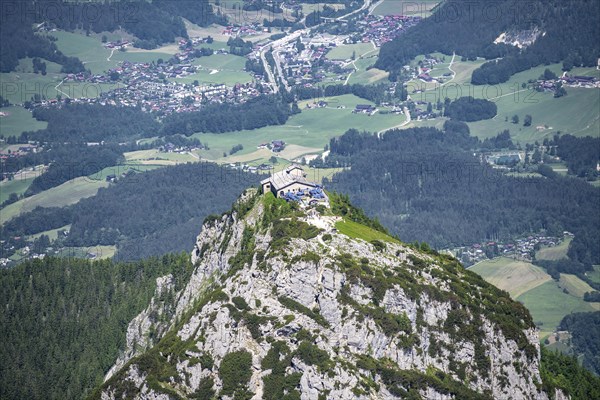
52 234
26 65
546 300
18 186
548 305
155 157
90 51
307 8
556 252
311 130
516 277
18 120
101 252
595 274
575 286
68 193
359 231
451 88
219 68
366 75
401 7
228 62
548 113
344 52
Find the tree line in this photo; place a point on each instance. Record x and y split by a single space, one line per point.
144 214
469 109
585 337
92 123
218 118
19 41
64 320
427 186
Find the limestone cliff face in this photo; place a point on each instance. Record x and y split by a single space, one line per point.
284 305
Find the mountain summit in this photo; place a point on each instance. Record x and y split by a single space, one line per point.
321 303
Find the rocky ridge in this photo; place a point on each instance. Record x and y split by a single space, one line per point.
311 304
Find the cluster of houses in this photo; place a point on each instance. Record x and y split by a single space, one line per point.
243 30
146 85
521 249
119 44
275 146
250 168
382 29
165 98
505 160
310 64
364 109
152 85
423 71
569 81
171 148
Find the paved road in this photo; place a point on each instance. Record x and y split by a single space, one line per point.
406 122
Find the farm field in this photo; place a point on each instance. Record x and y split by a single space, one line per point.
516 277
19 87
531 285
52 234
311 129
90 51
344 51
454 87
548 113
548 304
18 186
595 274
68 193
26 65
307 8
401 7
219 68
576 287
556 252
16 120
155 157
133 165
367 77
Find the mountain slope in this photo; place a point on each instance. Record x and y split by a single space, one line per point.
283 305
547 31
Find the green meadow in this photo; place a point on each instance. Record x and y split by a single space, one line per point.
68 193
311 130
548 301
345 51
402 7
548 304
97 58
16 120
219 68
359 231
549 114
554 253
18 186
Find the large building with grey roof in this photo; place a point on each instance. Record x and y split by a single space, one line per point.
292 179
